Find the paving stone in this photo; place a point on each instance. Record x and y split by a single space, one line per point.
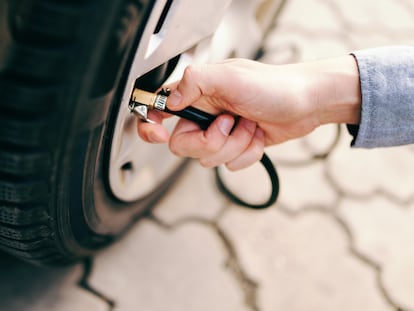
312 28
322 140
331 28
324 48
362 41
374 14
251 184
310 15
279 52
305 187
301 263
293 152
24 287
383 231
189 195
361 172
154 269
303 150
308 45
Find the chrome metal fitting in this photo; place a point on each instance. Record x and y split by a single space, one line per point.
142 101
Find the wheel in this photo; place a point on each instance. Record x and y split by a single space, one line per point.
64 68
73 174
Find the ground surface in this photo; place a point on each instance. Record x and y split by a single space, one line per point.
341 236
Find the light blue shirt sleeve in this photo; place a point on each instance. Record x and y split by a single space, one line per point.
387 88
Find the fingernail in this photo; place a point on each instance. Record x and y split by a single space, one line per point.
225 125
174 99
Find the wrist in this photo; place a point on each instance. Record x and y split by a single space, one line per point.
336 90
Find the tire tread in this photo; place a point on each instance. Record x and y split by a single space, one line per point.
42 37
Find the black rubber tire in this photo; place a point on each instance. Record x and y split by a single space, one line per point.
63 66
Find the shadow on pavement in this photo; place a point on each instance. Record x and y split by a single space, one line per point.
23 284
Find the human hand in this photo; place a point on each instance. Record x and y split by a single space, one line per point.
274 103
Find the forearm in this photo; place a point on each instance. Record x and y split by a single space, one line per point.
372 90
334 90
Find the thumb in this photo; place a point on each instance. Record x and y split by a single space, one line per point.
197 80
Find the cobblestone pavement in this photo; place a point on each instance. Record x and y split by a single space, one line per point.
341 236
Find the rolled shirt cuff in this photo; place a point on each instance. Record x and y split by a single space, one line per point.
387 88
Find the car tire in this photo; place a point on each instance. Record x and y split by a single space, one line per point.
63 68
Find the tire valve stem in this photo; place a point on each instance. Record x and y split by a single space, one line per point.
142 101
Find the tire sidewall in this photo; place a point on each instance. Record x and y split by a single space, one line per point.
88 215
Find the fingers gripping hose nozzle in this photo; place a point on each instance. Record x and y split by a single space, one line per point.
142 101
